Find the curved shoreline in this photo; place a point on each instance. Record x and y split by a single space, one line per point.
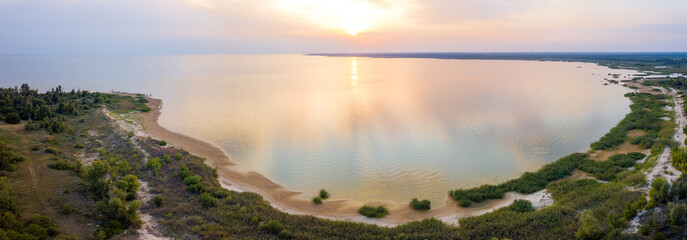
285 200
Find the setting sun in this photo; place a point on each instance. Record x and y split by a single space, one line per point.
350 16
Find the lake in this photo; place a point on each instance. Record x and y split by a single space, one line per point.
363 128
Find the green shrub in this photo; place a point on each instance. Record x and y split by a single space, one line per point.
66 209
79 146
373 212
464 203
521 206
162 143
273 226
631 178
285 234
220 193
324 194
12 118
51 150
8 157
208 200
158 200
420 205
317 200
155 165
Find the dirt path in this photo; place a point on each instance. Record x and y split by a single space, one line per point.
34 179
663 167
149 228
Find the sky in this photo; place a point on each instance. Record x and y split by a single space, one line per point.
132 27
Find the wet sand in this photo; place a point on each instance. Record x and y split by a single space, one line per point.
286 200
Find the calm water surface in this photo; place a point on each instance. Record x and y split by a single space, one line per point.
365 129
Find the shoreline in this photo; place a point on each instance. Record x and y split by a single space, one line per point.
285 200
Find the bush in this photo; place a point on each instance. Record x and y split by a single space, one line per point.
66 209
79 146
8 157
272 226
162 143
12 118
285 234
420 205
155 165
373 212
631 178
658 192
158 200
464 203
317 200
521 206
324 194
208 200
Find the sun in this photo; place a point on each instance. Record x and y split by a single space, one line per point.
347 16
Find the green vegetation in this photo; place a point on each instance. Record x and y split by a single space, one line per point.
373 212
12 118
208 200
647 111
317 200
140 103
8 158
324 194
666 216
48 110
158 200
679 158
196 206
420 205
12 226
532 182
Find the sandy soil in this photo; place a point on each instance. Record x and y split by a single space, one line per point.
285 199
641 88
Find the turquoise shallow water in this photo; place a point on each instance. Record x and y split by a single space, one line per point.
363 128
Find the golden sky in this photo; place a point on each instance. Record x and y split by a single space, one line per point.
304 26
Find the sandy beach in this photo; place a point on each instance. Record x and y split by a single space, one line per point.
334 209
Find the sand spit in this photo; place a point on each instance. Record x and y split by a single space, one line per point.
146 125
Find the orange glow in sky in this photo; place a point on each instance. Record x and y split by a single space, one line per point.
346 16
